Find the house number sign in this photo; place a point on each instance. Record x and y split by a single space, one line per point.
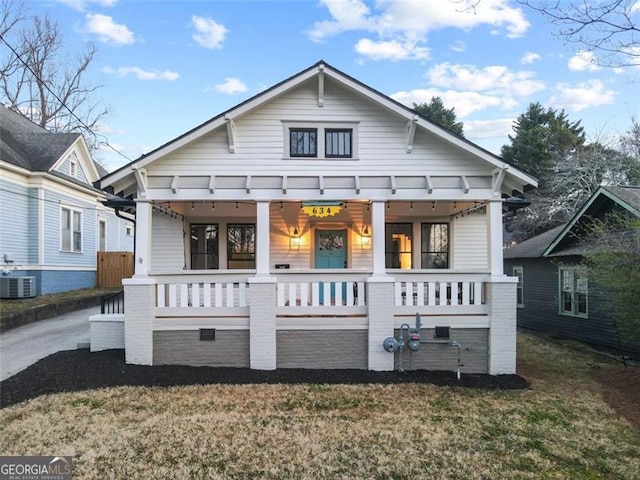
321 209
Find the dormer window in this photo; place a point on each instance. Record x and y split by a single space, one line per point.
322 141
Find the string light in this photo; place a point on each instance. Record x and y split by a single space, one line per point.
213 206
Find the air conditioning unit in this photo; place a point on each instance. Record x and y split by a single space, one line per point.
17 287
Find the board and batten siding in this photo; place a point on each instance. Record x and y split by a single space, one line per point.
167 244
260 136
15 221
470 247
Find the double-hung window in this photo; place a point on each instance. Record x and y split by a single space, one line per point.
204 246
70 230
398 252
241 245
518 272
435 245
573 291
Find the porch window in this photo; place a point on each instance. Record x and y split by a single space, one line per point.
573 291
303 142
519 273
435 245
241 245
204 246
70 230
398 245
337 143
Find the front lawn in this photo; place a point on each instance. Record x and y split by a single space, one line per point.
560 428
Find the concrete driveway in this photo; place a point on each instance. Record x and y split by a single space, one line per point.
23 346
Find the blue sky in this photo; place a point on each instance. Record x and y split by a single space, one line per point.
168 66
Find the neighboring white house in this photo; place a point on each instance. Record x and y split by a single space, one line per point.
310 223
52 218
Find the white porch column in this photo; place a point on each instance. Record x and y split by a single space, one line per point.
262 323
378 234
501 300
142 262
140 299
495 238
380 307
263 239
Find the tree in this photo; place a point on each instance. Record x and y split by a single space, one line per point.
542 138
614 266
439 114
607 28
42 83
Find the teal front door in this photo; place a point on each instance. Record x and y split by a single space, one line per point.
331 252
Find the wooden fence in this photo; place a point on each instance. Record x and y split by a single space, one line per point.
113 267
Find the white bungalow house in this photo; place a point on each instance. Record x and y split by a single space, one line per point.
307 225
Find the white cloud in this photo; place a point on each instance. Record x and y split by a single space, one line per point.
142 74
459 46
498 128
582 96
81 5
493 79
402 22
465 103
230 86
209 33
108 31
583 61
390 50
529 58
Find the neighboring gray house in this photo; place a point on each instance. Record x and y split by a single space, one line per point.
51 216
554 294
305 226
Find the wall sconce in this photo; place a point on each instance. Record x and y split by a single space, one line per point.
365 238
294 240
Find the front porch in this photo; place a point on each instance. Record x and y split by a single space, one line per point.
265 285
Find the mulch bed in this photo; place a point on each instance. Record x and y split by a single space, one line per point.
82 370
621 390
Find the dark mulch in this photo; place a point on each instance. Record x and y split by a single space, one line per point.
81 370
621 390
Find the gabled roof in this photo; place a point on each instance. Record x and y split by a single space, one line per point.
320 68
558 242
27 145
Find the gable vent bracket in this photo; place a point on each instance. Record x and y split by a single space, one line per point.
231 134
465 184
411 133
429 184
393 184
321 86
174 184
212 184
284 184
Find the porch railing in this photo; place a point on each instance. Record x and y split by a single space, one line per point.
202 291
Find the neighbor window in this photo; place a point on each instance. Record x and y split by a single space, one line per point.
128 230
518 272
337 143
398 245
303 142
204 246
70 230
435 245
573 291
241 245
102 235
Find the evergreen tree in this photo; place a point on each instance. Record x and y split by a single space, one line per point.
439 114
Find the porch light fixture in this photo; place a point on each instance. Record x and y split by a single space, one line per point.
294 240
365 238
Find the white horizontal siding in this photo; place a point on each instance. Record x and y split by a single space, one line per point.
470 242
259 146
167 244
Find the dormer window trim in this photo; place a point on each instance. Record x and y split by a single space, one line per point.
322 131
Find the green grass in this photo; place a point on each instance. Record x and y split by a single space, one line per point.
11 306
560 428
